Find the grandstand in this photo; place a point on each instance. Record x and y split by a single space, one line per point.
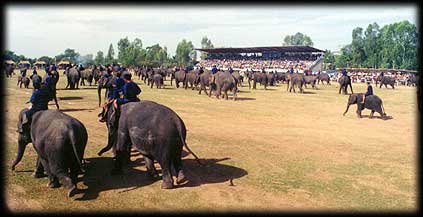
281 58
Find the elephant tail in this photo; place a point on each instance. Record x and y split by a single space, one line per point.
73 140
383 109
186 146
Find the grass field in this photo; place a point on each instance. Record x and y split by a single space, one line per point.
284 152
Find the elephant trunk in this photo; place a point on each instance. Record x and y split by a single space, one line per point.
99 94
21 149
110 142
348 106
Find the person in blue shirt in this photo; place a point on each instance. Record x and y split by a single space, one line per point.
231 70
23 72
344 72
214 69
47 69
39 100
130 91
291 71
114 92
369 91
382 74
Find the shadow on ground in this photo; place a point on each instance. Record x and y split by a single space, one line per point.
376 116
70 98
98 178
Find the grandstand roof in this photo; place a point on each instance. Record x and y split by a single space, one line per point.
261 49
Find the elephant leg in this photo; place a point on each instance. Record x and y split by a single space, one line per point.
340 89
235 90
371 113
151 170
165 164
59 169
39 169
351 88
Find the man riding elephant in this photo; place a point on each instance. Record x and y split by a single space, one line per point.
39 99
130 91
116 90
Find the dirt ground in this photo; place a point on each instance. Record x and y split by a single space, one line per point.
284 151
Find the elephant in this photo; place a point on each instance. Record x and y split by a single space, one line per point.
59 141
73 76
36 81
9 70
372 102
385 80
344 81
271 78
180 76
257 77
205 81
295 79
224 81
87 74
24 81
310 79
158 80
96 75
55 80
280 77
105 82
156 131
238 77
193 79
323 77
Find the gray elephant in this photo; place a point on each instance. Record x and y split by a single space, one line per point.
239 78
59 141
205 79
156 131
73 76
9 68
323 77
36 81
271 78
224 81
23 80
157 80
193 79
88 75
310 79
344 82
372 102
105 82
257 77
295 80
385 80
180 76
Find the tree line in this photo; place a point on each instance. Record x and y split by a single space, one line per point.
394 46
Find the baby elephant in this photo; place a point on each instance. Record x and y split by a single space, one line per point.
59 141
372 102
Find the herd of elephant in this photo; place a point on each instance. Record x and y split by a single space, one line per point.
154 130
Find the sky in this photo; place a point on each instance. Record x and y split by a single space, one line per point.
36 31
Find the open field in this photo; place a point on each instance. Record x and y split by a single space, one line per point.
284 151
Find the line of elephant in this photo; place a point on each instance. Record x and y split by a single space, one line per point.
60 140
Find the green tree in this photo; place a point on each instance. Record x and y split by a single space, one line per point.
298 39
110 58
357 45
371 45
329 59
185 53
47 59
205 43
99 58
124 47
